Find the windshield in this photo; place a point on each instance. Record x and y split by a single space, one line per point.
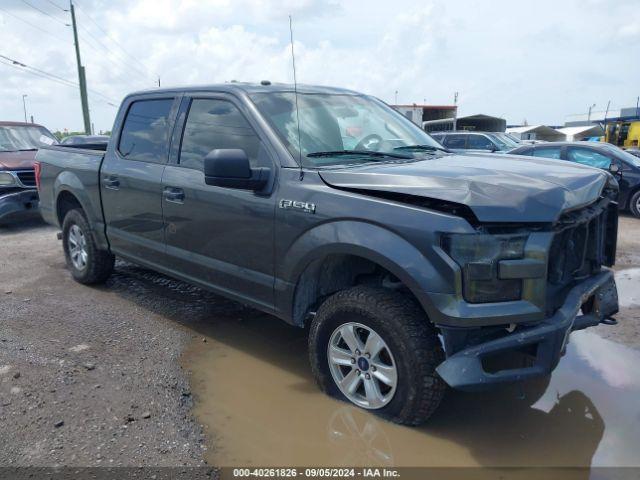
19 137
503 141
342 129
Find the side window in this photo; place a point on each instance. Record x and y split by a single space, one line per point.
586 156
455 141
547 152
213 124
145 133
480 142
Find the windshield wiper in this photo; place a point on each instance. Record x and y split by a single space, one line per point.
26 150
424 148
358 153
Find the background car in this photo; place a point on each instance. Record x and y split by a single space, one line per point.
19 143
624 165
461 141
84 139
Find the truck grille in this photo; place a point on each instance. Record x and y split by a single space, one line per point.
584 241
27 178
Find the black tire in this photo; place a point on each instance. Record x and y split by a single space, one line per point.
99 264
412 340
634 204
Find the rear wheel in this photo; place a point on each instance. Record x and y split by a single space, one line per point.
88 264
634 204
376 349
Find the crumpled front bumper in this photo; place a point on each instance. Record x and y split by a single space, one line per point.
464 370
16 202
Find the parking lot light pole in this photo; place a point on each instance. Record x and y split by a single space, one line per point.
589 115
24 107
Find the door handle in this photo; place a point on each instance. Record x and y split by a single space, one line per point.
111 182
173 194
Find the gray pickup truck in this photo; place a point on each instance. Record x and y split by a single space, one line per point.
412 267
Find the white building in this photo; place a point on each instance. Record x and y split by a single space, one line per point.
575 134
536 132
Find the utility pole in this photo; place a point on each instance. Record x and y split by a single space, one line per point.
24 107
158 81
82 79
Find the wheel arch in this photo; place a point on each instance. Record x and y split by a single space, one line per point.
66 201
340 255
71 192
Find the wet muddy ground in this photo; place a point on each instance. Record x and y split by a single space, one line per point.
245 378
262 407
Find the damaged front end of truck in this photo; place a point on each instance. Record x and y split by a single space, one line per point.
562 269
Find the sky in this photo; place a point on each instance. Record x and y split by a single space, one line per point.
535 61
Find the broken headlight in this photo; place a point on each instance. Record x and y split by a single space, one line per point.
478 256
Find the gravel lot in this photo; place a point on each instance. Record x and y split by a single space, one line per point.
88 376
91 376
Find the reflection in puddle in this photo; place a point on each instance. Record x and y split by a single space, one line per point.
255 393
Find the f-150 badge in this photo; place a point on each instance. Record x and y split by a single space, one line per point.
298 205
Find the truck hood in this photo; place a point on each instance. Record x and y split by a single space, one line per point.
497 188
17 160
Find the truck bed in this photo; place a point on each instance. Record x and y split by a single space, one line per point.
72 168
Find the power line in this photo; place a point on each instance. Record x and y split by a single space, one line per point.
106 34
57 6
35 26
47 75
112 52
45 13
20 64
120 75
144 74
21 68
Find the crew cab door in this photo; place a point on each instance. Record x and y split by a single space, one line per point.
220 237
131 177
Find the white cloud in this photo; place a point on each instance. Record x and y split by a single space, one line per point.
538 61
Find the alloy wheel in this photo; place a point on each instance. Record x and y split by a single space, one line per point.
362 365
78 247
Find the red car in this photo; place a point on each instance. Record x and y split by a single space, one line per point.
19 143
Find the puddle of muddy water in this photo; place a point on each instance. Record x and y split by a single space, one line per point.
255 394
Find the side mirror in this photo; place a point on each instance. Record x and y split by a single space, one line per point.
614 168
230 168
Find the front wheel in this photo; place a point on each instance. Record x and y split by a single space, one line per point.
88 264
376 349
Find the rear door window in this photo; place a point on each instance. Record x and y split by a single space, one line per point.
145 133
455 141
548 152
587 156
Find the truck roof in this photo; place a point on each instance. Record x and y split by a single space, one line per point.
249 88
